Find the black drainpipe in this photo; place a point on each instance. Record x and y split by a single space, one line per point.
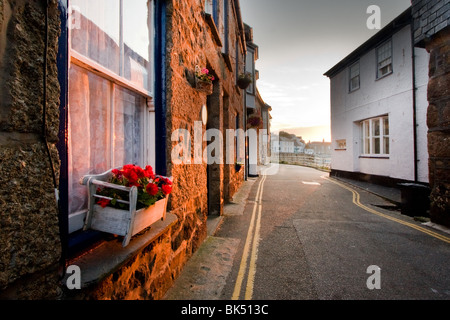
413 56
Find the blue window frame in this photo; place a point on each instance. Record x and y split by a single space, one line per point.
216 12
225 25
72 242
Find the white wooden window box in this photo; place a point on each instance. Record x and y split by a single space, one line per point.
126 223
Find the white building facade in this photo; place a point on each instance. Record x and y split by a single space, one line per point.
282 144
379 106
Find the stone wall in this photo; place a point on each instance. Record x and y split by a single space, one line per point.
439 128
29 239
191 44
150 273
430 17
432 31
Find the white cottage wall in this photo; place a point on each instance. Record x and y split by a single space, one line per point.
391 95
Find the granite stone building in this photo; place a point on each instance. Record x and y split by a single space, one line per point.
432 32
87 86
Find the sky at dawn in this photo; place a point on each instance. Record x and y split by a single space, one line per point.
299 40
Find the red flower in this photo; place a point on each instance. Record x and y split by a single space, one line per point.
139 172
131 174
103 202
166 189
128 167
152 189
148 172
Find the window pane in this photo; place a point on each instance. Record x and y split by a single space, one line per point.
376 146
354 70
249 61
89 129
366 129
128 128
384 51
386 126
96 32
366 146
376 127
384 59
136 34
386 145
354 83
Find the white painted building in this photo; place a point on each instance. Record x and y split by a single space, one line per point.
379 106
282 144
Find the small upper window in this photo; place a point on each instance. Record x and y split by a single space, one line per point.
384 59
250 68
354 77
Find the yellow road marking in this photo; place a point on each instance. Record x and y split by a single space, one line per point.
356 201
245 255
254 255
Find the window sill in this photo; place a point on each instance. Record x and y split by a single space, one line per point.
385 76
374 157
342 149
109 256
215 32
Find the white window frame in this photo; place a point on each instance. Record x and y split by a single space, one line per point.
387 62
353 75
368 141
76 220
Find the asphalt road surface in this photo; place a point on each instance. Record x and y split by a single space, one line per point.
305 236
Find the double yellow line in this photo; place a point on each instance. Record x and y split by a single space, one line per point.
251 243
356 201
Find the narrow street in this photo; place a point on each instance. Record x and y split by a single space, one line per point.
303 236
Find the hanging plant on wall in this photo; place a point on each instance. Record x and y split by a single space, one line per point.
203 80
244 80
254 121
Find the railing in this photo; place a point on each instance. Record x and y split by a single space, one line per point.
318 161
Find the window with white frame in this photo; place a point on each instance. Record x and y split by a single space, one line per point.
110 91
354 77
250 68
375 136
384 59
